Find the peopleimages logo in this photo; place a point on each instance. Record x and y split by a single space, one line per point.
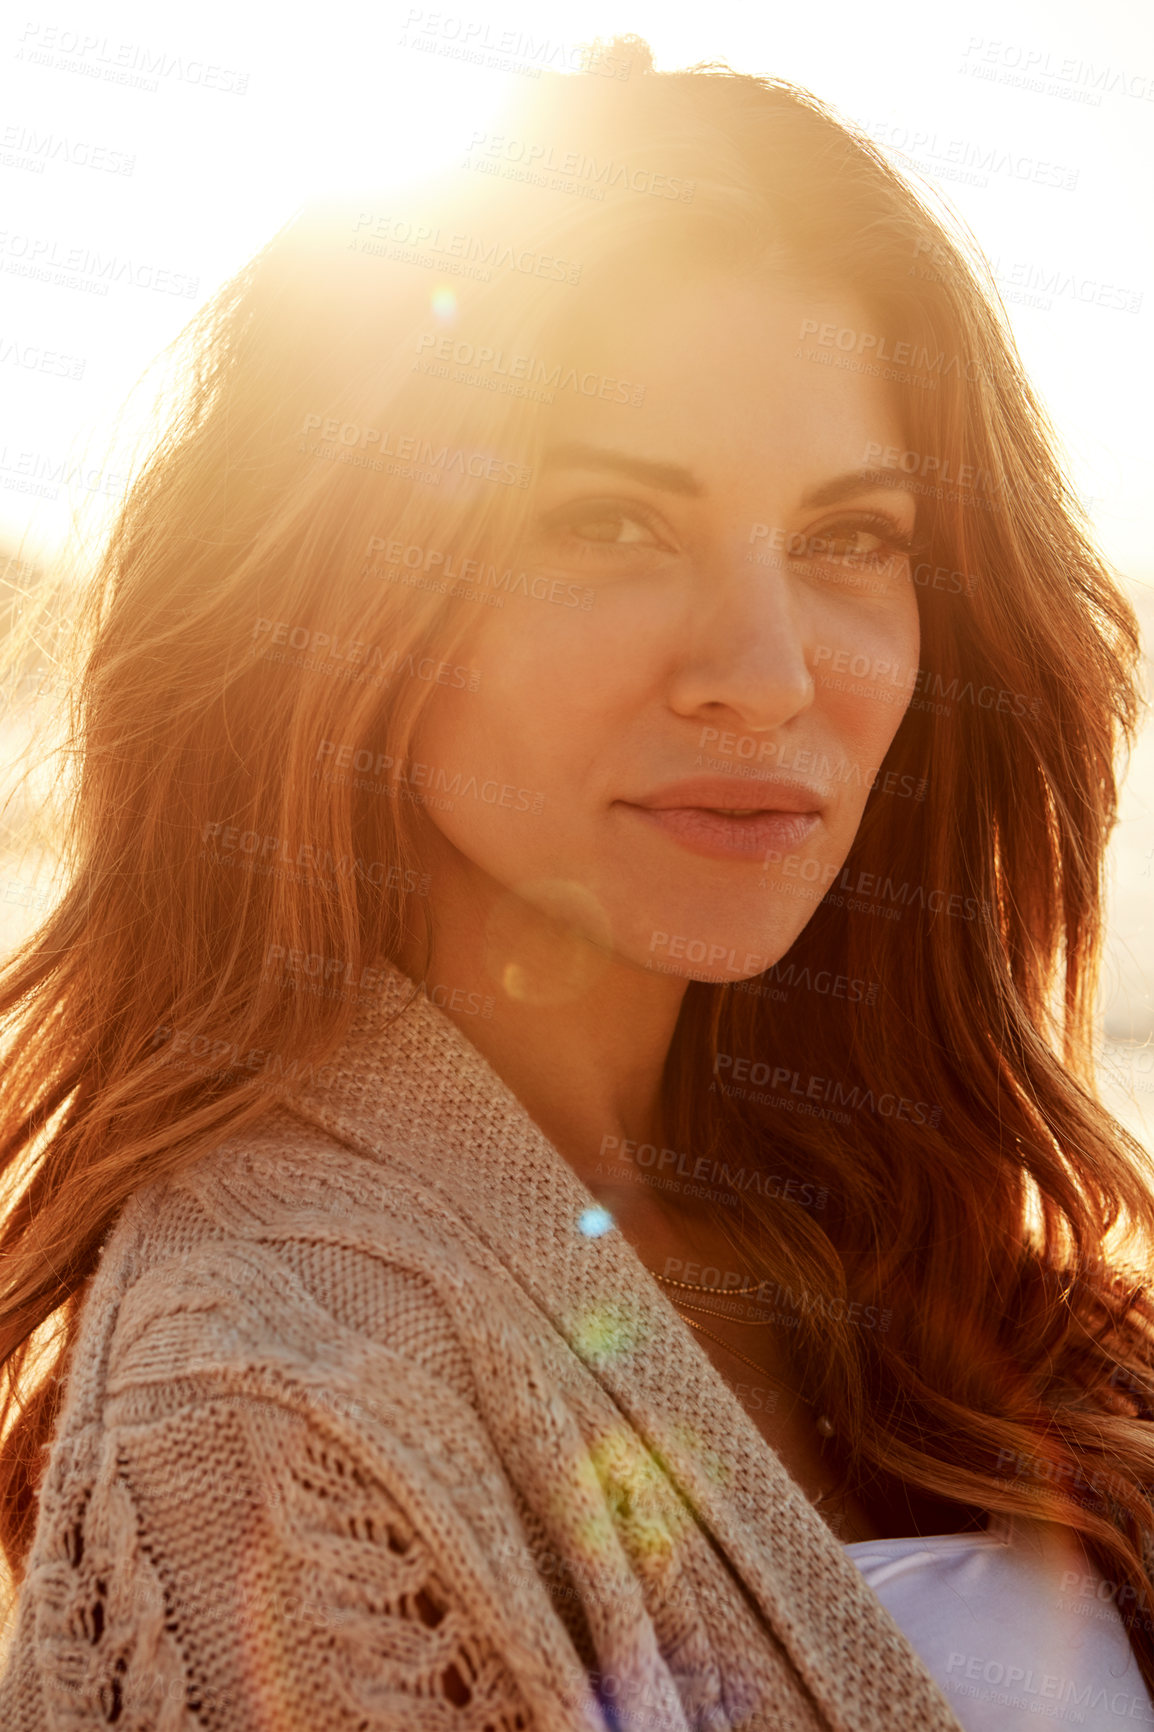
828 1091
351 657
840 888
922 688
472 579
539 159
478 41
704 1169
426 241
37 360
807 760
968 160
1029 66
24 147
134 64
414 448
1044 1693
43 475
202 1050
44 256
424 783
1030 282
528 371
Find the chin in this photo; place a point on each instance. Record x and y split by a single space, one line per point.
716 974
697 948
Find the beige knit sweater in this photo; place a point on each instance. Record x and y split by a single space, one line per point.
362 1432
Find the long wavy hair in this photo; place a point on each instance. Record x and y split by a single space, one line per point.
318 438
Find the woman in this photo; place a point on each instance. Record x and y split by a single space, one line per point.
555 1173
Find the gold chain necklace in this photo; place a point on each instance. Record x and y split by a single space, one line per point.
696 1287
708 1311
717 1293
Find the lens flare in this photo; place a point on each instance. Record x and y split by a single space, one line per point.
523 955
443 302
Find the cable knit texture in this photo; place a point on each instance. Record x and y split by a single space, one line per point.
363 1433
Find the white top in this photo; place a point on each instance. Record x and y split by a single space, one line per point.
1015 1624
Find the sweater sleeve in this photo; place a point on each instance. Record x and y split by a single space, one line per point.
233 1567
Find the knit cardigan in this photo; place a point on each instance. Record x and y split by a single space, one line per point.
362 1432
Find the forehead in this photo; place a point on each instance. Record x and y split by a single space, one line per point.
730 381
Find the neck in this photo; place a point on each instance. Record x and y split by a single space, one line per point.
579 1036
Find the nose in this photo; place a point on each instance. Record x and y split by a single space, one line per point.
745 653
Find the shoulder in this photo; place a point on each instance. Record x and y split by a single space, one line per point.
270 1427
281 1258
272 1490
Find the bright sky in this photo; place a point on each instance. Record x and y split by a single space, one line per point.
225 117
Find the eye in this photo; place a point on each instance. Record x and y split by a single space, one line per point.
607 526
858 539
866 549
859 544
592 528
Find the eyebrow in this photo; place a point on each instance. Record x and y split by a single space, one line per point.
856 481
671 478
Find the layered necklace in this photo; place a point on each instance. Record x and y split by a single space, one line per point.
823 1422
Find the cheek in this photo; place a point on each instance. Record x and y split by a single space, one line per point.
453 730
535 702
865 679
551 681
871 723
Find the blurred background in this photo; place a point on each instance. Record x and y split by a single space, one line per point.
145 154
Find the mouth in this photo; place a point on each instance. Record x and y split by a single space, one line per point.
712 816
729 832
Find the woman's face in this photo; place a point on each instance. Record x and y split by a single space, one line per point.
734 569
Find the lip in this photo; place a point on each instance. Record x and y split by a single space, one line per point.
766 793
692 814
